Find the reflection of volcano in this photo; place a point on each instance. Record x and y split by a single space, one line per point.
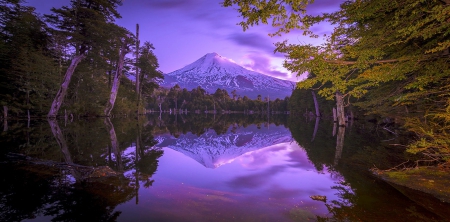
212 150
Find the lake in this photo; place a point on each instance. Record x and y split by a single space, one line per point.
203 168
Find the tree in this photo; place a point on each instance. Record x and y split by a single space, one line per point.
27 66
173 95
401 47
149 73
85 24
118 75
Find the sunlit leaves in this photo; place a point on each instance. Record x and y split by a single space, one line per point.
394 55
286 15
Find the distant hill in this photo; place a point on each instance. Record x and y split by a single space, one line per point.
213 71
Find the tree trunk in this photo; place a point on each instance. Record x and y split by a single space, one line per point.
339 145
57 133
29 118
116 80
5 118
114 143
138 88
59 98
334 115
59 137
316 127
5 112
334 128
340 108
316 105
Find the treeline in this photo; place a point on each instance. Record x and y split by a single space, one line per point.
199 100
177 125
71 61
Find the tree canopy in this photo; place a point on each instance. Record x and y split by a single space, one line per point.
390 57
80 40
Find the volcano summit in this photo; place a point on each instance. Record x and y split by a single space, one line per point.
213 71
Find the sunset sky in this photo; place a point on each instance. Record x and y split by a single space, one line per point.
184 30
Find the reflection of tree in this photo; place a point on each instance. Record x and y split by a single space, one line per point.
42 185
199 124
39 189
146 156
114 143
339 144
360 196
316 127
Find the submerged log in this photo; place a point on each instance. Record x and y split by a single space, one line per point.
83 173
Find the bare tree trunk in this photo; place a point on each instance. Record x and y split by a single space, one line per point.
334 115
316 127
117 76
29 118
334 128
57 133
138 89
340 108
5 112
59 98
316 105
114 143
5 118
339 145
59 137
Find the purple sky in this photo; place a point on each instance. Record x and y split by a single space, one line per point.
184 30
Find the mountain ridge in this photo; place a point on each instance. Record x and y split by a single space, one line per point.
212 150
213 71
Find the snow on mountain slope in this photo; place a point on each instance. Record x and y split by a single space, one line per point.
212 150
213 71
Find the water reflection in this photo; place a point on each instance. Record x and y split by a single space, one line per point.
198 168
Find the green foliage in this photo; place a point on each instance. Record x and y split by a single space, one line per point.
35 53
149 73
86 23
198 100
391 56
199 124
27 68
301 102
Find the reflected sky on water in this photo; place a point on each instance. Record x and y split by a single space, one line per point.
274 182
194 168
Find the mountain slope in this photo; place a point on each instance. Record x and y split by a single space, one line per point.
213 71
212 150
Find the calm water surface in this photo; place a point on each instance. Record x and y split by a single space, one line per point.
197 168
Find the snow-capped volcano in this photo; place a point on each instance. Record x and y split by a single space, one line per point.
212 150
213 71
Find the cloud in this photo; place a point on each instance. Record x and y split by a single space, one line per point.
253 40
254 181
261 63
172 4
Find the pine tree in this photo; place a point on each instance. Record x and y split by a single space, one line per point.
27 66
85 23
